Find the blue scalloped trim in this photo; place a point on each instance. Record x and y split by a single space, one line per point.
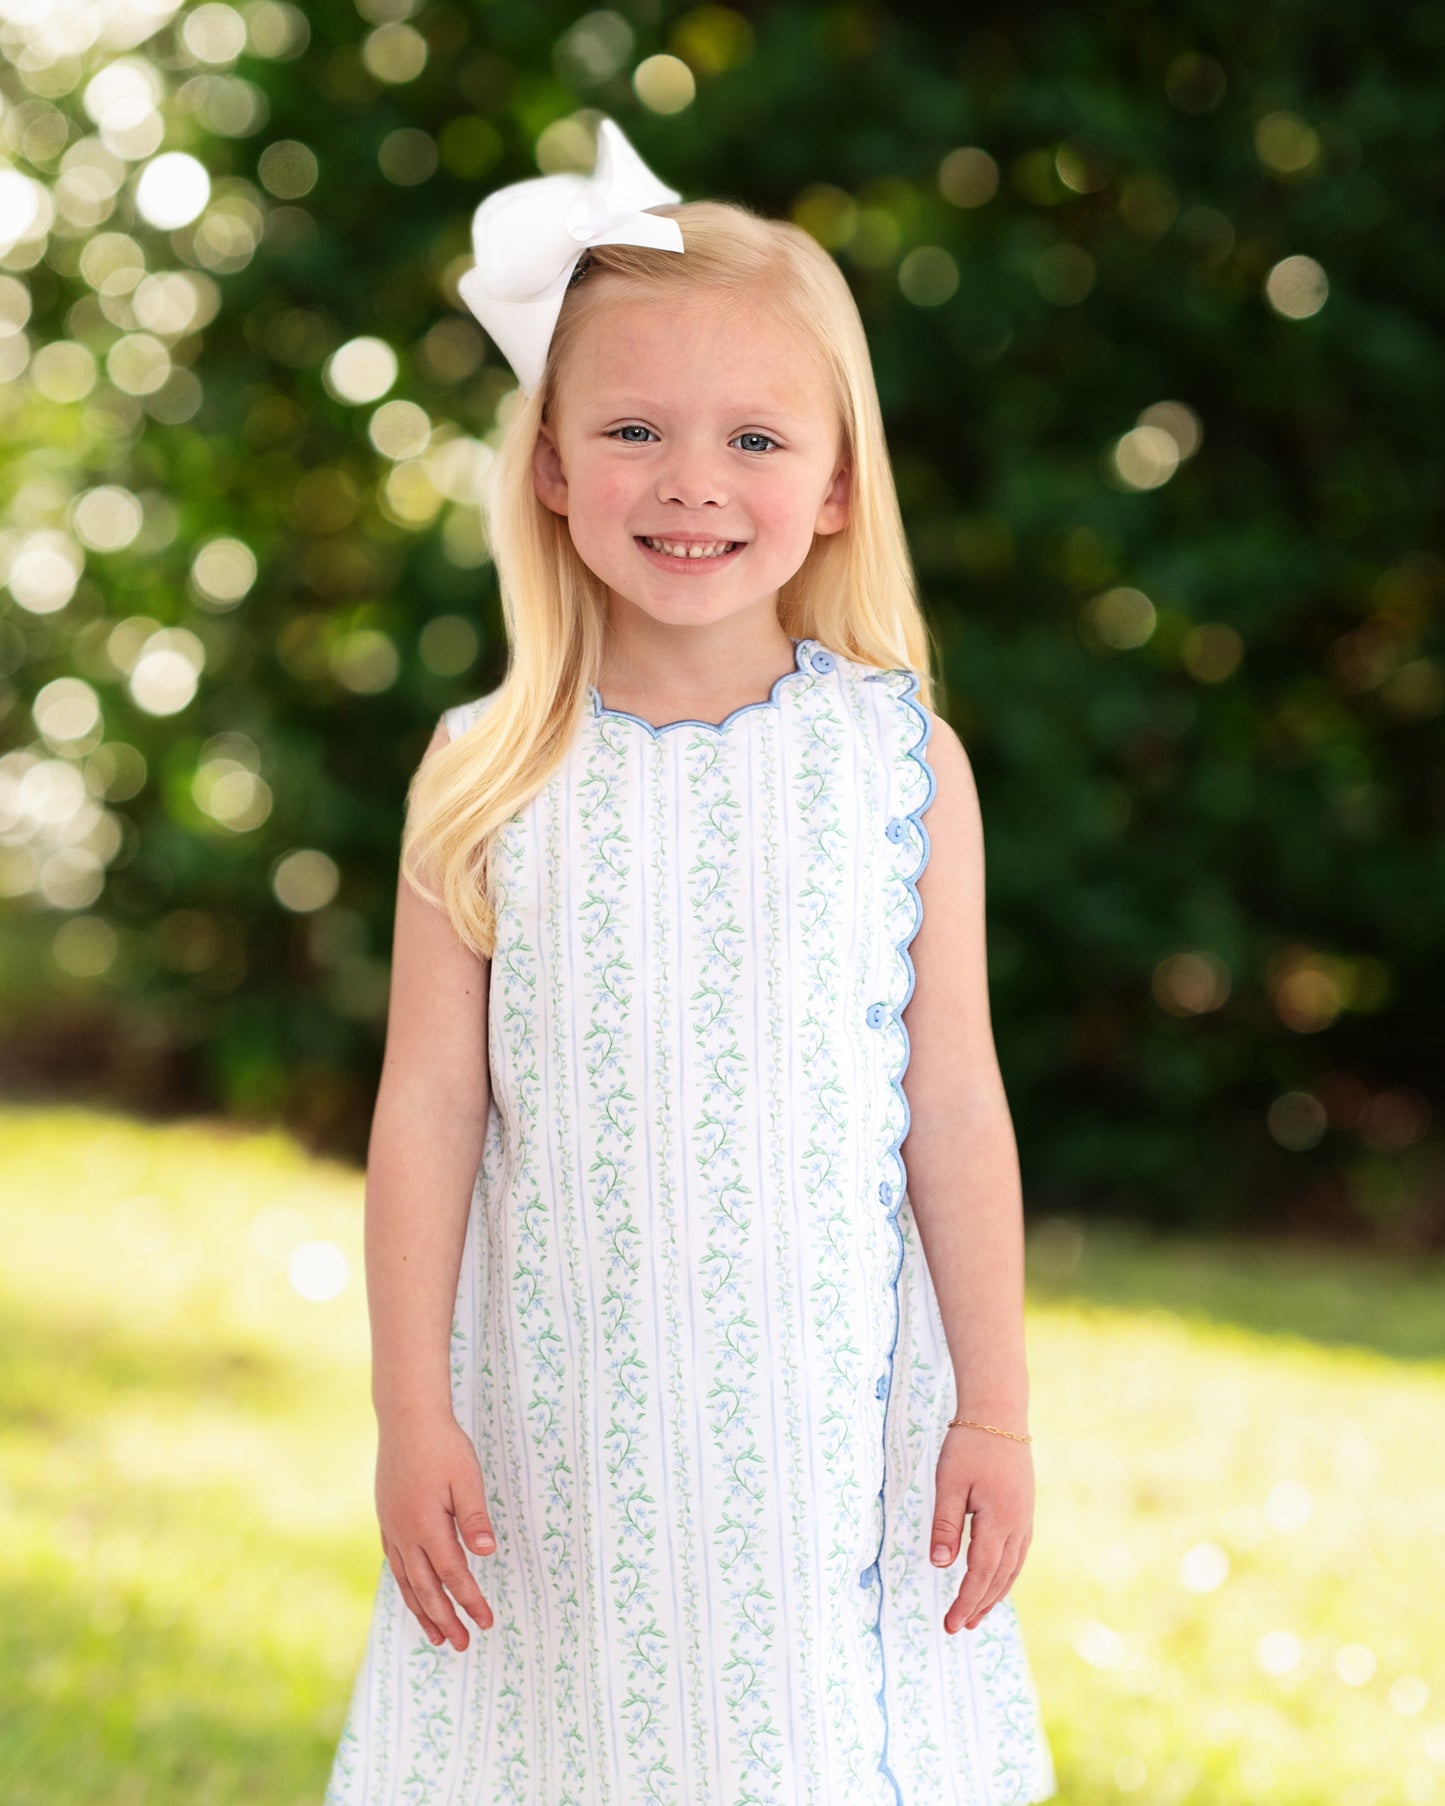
802 666
916 753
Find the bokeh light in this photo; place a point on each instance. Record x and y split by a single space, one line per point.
365 661
408 156
1119 618
305 879
394 53
228 786
829 213
288 169
594 48
84 947
277 30
319 1271
1191 983
968 176
928 276
43 570
1285 144
1211 651
63 371
173 190
166 673
1297 1120
399 429
66 709
361 370
448 645
1278 1652
124 99
1204 1568
213 33
1296 287
664 84
712 39
24 207
223 571
1144 457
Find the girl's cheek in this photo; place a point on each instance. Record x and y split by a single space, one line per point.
777 509
606 490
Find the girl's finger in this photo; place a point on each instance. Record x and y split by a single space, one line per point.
949 1515
447 1561
1019 1557
985 1553
1002 1581
408 1593
434 1596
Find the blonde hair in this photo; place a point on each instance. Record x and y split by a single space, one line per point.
854 591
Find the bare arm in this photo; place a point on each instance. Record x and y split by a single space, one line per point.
425 1146
426 1143
965 1192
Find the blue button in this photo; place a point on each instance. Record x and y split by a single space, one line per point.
823 661
868 1576
885 1192
896 829
882 1385
877 1015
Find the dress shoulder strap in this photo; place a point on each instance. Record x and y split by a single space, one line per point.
903 728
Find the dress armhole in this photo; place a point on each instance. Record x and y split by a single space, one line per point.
465 715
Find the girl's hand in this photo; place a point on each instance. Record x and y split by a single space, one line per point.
428 1488
992 1477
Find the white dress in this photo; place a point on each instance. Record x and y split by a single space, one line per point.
695 1342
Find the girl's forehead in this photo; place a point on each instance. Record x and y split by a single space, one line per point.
754 333
725 347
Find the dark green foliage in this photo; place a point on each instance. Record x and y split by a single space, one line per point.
1249 785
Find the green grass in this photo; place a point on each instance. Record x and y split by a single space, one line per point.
188 1551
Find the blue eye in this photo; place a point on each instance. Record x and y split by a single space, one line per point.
635 427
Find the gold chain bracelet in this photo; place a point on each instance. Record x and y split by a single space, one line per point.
959 1423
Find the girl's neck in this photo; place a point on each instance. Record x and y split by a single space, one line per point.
668 673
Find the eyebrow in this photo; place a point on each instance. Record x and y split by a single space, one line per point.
619 403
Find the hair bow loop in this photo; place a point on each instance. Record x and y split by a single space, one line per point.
528 236
587 215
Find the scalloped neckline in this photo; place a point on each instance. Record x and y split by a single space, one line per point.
801 668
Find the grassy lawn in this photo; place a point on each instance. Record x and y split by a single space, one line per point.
1232 1593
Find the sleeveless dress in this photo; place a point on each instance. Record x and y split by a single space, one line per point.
696 1343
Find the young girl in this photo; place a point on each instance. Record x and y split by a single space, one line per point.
682 1400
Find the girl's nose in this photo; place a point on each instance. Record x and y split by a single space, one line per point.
690 482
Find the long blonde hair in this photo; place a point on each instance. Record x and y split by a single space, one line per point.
854 591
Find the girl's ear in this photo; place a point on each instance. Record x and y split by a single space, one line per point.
548 478
833 514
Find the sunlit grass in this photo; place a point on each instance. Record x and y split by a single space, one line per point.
1233 1592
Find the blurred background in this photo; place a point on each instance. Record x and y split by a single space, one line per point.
1153 296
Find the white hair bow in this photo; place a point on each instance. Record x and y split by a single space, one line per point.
527 238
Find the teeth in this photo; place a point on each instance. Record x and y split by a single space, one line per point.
716 549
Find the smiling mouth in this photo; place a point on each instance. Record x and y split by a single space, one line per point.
676 551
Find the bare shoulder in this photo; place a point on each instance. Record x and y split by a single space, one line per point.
944 743
953 813
441 736
948 951
952 1058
